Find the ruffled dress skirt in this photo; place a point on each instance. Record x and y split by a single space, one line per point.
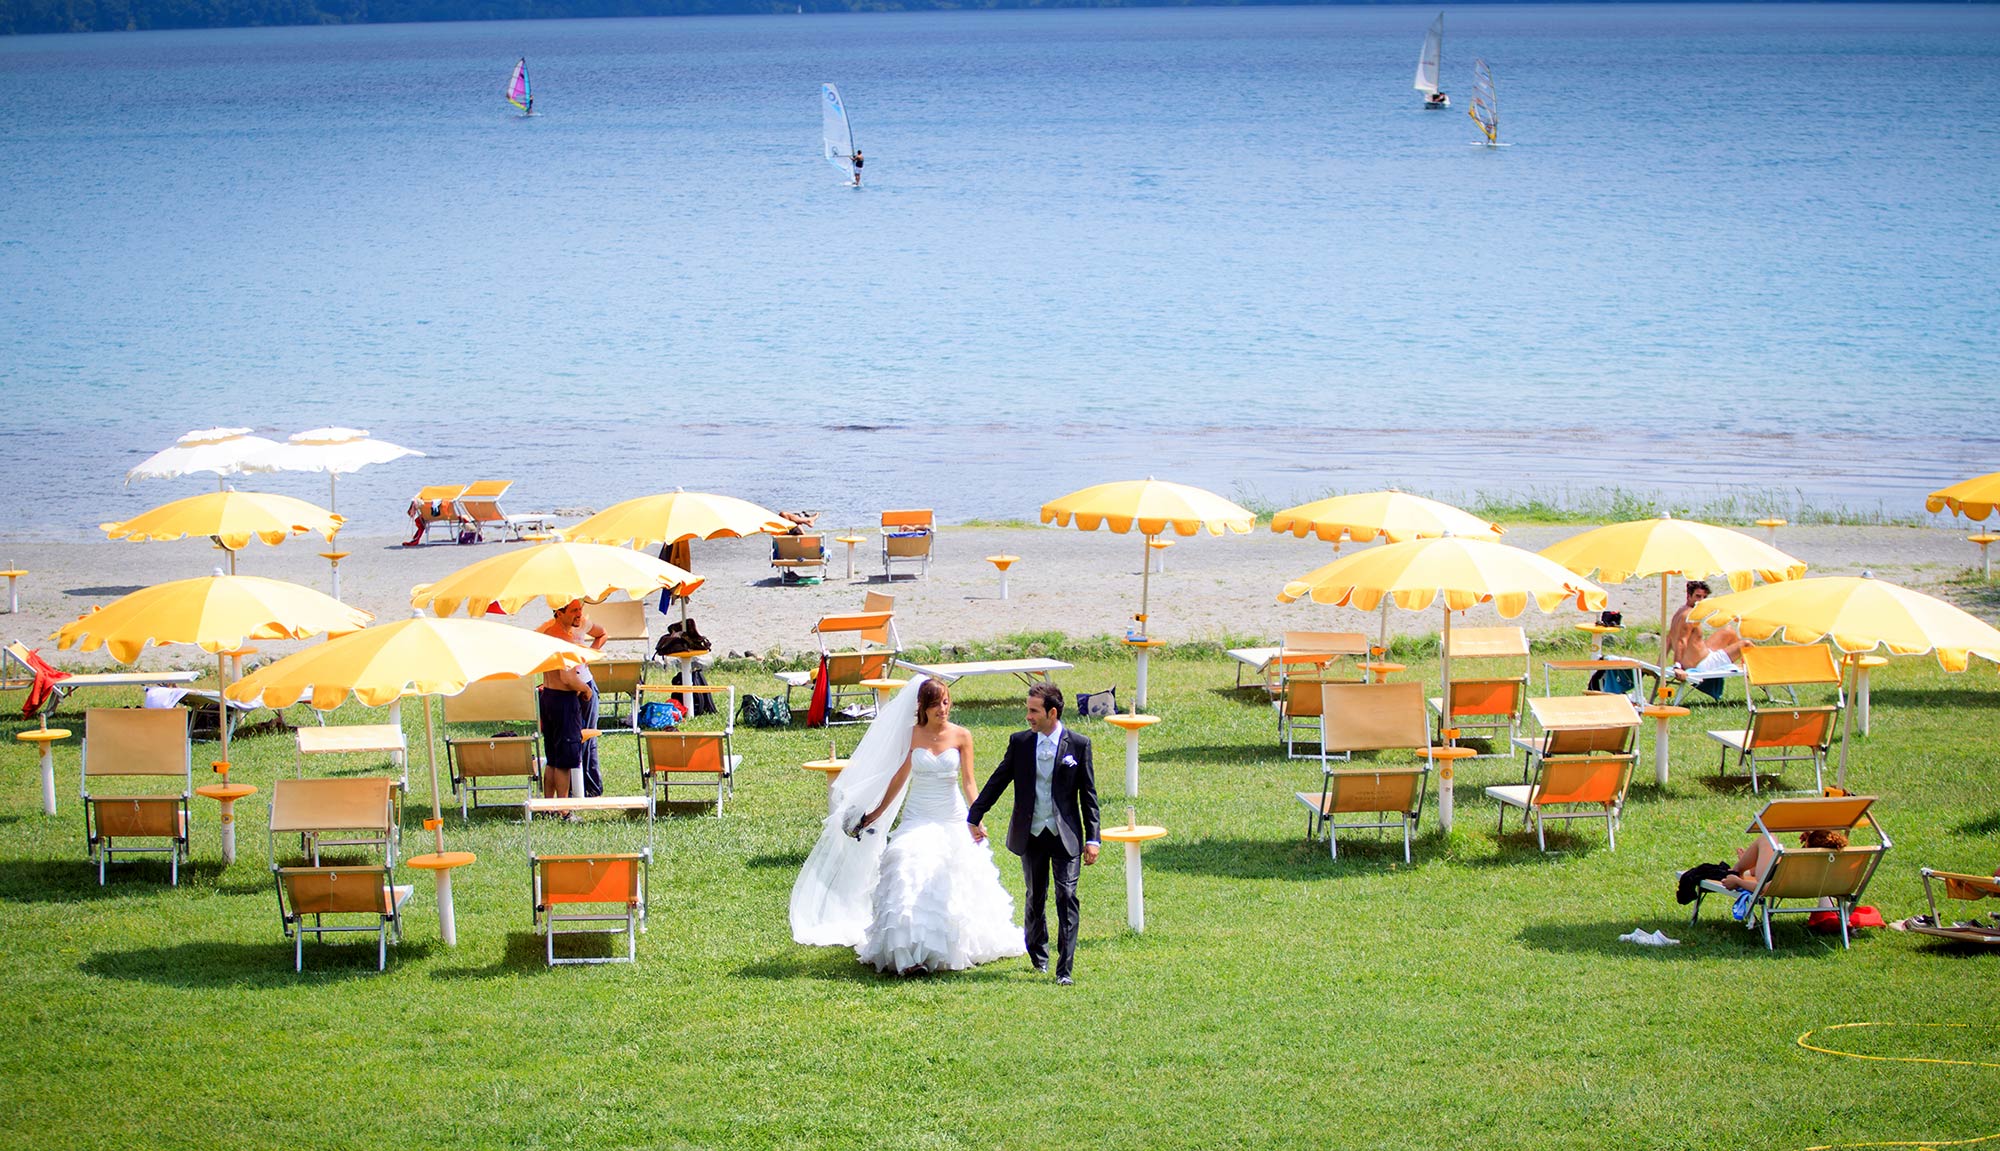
938 904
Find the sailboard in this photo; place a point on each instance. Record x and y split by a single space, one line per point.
1485 110
517 89
1428 63
836 133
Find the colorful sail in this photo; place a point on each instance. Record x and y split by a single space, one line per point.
1427 62
836 134
517 88
1485 102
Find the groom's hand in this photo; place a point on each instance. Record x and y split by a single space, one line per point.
978 833
1089 854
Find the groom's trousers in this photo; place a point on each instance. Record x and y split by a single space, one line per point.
1044 860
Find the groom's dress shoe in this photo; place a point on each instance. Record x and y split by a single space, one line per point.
1042 967
1064 981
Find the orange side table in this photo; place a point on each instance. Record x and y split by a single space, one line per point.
1003 563
883 688
1449 755
1381 670
850 541
333 560
47 738
1661 714
1985 540
13 598
1142 648
1771 527
1132 835
442 864
830 768
1159 555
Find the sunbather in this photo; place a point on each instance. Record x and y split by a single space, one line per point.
1754 860
1694 652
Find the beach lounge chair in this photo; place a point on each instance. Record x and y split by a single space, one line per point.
799 559
1810 874
618 682
313 893
683 758
1491 707
1597 724
1295 673
591 893
845 666
1778 733
1958 885
1369 717
315 810
18 670
449 516
907 538
480 505
492 761
623 621
128 745
1589 786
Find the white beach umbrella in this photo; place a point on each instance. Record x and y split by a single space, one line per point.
223 451
336 451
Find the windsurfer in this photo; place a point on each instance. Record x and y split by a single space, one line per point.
857 167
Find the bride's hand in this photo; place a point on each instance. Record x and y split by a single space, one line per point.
978 833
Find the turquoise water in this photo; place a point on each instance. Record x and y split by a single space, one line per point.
1732 245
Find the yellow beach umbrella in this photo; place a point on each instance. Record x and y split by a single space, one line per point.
1153 507
1974 499
215 613
671 517
557 573
1666 547
1459 572
235 518
1855 614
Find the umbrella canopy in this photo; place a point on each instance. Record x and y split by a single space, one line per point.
1460 572
557 573
1396 516
234 517
1974 499
216 613
672 517
1665 547
1152 506
1856 614
335 451
223 451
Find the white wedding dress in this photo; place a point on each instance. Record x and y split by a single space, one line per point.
937 902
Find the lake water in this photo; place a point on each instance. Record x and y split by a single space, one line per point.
1732 246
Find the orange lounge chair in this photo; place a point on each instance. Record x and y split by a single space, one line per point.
130 744
1777 733
479 760
317 892
908 537
590 888
683 758
1810 874
1369 717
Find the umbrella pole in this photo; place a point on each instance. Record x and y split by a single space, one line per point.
1385 628
333 491
447 914
1846 729
1145 583
1444 724
1445 651
222 700
1665 643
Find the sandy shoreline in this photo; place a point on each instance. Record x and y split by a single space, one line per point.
1081 584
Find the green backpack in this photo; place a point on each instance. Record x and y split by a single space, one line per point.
758 711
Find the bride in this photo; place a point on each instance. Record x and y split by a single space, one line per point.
925 897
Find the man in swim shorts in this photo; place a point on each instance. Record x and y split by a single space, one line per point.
1695 653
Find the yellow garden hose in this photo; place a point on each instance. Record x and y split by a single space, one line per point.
1805 1042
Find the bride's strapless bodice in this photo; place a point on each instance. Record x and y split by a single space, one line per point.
934 795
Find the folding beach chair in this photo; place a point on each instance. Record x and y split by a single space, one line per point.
316 810
1369 717
590 893
907 538
618 682
1295 674
684 758
130 744
313 893
1777 733
623 621
1596 724
1595 784
853 647
799 559
478 760
480 505
1809 873
17 673
1958 885
450 516
1491 707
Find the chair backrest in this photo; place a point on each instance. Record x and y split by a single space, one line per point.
1488 642
618 676
488 489
337 890
436 492
1830 813
878 603
907 547
1374 717
859 625
624 619
846 669
1392 789
481 509
800 547
136 741
494 701
15 670
1589 740
1790 665
1812 872
607 878
1300 698
908 519
1792 727
482 758
1584 779
1584 724
1484 697
364 803
1322 642
683 751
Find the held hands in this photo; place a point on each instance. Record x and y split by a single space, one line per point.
978 833
1089 854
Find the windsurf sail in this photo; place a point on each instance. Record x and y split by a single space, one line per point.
517 88
1485 104
836 134
1427 64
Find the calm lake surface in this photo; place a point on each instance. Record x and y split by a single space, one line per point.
1732 247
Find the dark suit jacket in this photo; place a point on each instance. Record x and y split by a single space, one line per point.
1074 790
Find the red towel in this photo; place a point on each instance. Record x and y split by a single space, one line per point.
816 715
44 686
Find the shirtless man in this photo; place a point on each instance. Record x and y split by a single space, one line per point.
1693 652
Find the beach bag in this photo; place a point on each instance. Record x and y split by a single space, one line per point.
1096 704
762 711
1616 680
658 716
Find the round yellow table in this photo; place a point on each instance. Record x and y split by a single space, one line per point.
883 688
1771 527
1382 670
1132 835
1984 540
1449 755
1863 664
442 864
1159 555
226 794
236 659
47 737
830 768
1661 714
333 560
13 599
1597 632
1003 563
850 541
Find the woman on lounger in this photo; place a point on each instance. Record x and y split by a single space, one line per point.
568 702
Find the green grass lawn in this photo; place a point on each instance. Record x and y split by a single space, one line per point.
1476 998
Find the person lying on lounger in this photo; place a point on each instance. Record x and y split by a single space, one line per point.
1754 860
1695 653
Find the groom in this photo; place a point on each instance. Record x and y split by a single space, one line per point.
1054 823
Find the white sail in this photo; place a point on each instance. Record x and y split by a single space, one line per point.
1485 102
836 134
1427 63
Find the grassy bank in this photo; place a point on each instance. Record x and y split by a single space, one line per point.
1478 997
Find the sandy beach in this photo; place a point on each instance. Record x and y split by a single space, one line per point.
1080 584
